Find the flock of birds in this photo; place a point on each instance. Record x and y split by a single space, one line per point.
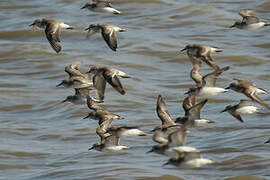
170 135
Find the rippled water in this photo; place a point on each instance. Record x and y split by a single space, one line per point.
40 138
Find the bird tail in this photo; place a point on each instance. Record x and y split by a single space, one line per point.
116 12
216 49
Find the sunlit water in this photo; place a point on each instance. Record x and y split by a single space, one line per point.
41 138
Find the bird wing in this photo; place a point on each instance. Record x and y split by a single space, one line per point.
206 57
244 103
109 35
252 95
177 138
160 137
211 78
90 32
246 12
192 155
188 102
112 141
237 116
53 32
251 20
163 113
195 112
83 91
73 69
114 81
100 85
105 122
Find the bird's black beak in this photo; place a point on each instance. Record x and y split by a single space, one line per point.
223 111
268 141
64 101
229 87
183 49
166 163
152 150
232 26
86 29
89 72
187 92
59 84
83 7
86 117
91 148
32 24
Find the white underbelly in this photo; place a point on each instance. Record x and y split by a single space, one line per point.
254 26
195 163
211 91
115 148
247 110
131 132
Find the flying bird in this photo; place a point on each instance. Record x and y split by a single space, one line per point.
108 32
100 6
249 89
244 107
52 30
202 52
103 75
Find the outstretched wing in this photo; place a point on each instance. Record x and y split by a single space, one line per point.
100 85
109 35
211 78
53 32
195 111
163 113
251 20
252 95
114 81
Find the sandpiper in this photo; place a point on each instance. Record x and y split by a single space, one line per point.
99 113
249 89
176 138
189 159
103 116
246 12
244 107
249 21
189 102
104 74
163 114
108 33
100 6
196 75
161 135
207 80
73 70
192 116
105 122
76 82
110 144
52 30
77 98
203 52
208 85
